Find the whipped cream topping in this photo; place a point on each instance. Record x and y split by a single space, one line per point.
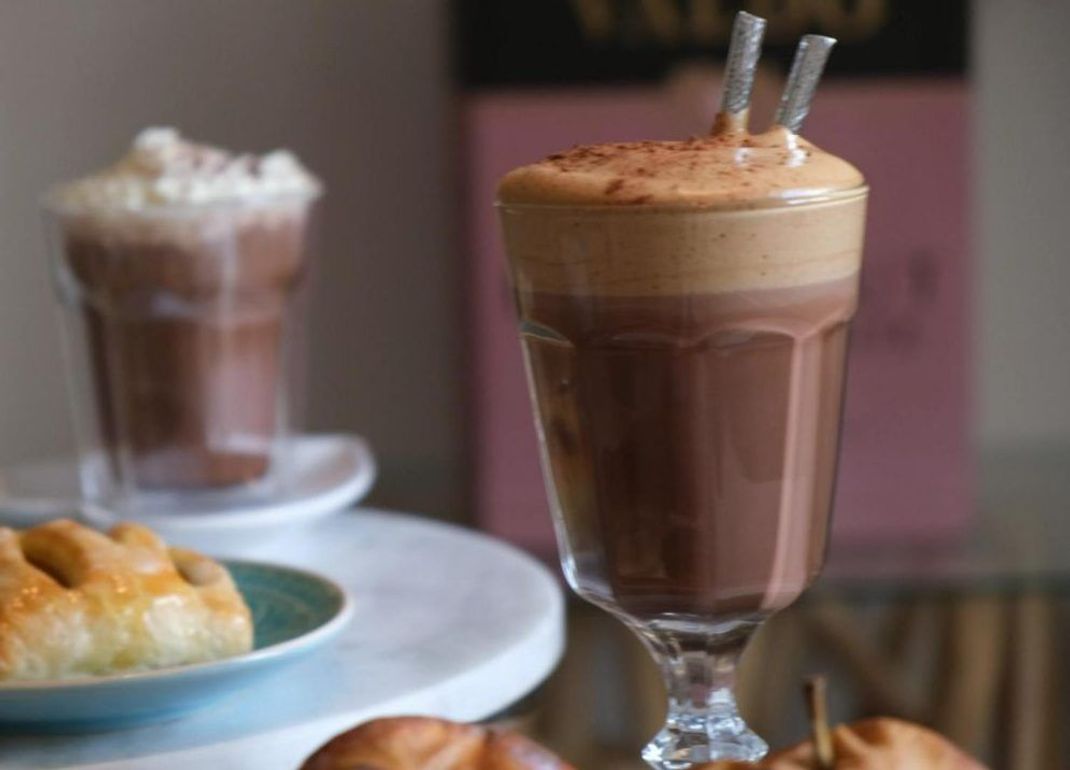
162 168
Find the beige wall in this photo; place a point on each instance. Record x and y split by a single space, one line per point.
359 89
1022 216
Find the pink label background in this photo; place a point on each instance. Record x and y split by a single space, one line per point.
906 470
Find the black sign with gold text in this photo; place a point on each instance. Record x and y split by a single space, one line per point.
553 42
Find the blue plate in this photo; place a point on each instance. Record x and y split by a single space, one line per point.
294 612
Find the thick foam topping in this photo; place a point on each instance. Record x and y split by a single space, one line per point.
730 170
732 212
162 168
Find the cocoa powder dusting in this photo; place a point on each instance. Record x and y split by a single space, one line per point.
701 170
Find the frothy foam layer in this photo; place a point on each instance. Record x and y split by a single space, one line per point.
725 213
731 170
630 251
161 168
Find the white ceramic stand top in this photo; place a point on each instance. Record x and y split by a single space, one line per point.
448 623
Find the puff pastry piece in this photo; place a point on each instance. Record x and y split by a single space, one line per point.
425 743
75 602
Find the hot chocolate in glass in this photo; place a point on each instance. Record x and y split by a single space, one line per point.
683 309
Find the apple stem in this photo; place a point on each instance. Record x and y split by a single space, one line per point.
817 706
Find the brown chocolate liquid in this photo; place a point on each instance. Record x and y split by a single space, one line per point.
186 351
692 441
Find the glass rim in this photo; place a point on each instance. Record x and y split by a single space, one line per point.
752 205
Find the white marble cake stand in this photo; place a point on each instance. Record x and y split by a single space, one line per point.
448 622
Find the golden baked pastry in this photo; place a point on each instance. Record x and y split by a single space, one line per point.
423 743
75 602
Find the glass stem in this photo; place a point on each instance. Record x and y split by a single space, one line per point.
700 684
703 723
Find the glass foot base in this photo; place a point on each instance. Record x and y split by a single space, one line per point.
679 746
698 662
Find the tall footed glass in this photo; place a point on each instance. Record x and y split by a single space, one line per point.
686 362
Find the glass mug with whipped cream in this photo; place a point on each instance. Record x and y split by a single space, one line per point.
177 269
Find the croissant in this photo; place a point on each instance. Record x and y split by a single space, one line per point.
75 602
423 743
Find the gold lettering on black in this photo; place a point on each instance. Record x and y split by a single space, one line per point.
709 23
850 21
787 18
662 20
670 23
595 18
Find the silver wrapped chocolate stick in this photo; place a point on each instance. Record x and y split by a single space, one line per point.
810 58
743 52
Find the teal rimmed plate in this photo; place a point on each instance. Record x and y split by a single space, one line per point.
294 613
